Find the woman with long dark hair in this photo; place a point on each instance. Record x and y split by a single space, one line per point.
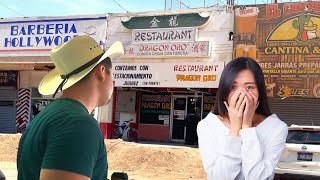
241 139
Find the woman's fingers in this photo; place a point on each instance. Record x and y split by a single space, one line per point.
243 104
234 98
250 98
255 98
226 104
257 103
240 100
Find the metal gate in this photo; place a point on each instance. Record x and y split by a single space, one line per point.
299 111
7 110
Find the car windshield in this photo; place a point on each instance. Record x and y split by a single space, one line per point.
303 137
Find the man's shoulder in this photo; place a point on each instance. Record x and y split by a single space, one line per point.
66 109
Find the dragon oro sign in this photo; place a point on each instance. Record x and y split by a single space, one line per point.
285 40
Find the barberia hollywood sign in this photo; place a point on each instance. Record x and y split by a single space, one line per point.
273 10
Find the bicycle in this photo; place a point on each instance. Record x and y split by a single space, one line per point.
125 132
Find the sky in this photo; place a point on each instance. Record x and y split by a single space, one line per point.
30 8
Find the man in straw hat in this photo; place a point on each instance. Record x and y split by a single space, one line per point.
64 141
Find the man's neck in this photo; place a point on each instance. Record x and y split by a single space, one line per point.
84 97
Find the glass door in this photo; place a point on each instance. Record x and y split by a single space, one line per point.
178 132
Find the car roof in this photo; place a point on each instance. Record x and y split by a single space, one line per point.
309 128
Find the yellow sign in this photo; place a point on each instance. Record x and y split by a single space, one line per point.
302 29
286 91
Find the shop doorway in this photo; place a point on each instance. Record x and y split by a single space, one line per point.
182 107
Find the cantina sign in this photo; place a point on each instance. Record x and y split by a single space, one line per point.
284 39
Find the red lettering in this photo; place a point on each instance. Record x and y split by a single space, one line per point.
316 6
246 11
272 11
290 8
286 9
141 48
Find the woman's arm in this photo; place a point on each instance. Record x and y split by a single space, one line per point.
256 163
221 155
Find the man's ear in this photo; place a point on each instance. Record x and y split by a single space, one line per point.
101 72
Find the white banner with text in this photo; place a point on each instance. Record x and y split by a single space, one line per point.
167 50
188 34
184 74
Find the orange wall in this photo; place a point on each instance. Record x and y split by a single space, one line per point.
158 133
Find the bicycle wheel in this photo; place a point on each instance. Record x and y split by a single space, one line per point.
116 134
132 135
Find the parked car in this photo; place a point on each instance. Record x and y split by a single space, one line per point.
301 155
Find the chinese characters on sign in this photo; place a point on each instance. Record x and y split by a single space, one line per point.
154 22
167 21
172 22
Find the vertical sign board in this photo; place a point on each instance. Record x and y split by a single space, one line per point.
285 40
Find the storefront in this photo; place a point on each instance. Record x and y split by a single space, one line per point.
170 70
287 53
8 86
25 45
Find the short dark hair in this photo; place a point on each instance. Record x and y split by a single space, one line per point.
106 63
227 79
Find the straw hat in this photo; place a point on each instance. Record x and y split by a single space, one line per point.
309 26
73 60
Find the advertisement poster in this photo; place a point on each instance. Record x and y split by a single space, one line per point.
285 40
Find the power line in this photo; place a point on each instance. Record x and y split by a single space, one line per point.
183 4
120 5
12 9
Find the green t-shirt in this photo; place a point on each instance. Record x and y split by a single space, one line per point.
63 136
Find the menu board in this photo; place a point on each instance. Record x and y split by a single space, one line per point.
155 108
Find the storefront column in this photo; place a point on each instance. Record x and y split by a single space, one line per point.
105 118
114 109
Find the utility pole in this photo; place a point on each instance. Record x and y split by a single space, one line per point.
165 4
230 2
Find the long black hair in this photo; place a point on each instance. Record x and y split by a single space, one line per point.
228 76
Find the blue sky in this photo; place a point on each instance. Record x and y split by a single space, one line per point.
31 8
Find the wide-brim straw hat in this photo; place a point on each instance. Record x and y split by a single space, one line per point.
73 60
